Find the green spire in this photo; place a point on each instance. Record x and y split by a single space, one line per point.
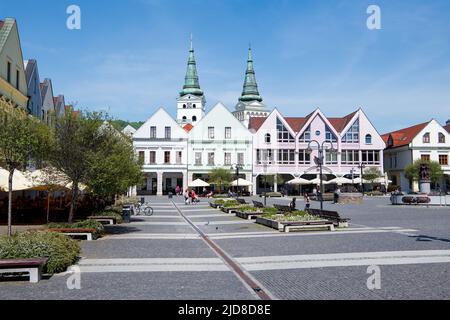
250 92
191 84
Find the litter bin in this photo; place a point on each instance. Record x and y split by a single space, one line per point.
170 195
142 200
126 213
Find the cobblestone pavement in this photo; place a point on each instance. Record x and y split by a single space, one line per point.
164 257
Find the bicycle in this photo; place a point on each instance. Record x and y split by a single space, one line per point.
143 209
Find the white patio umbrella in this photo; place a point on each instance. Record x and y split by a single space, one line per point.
241 183
316 181
339 181
382 180
198 183
20 181
358 181
299 181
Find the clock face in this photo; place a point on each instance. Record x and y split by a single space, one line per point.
189 104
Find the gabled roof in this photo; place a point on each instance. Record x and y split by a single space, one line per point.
340 123
5 29
296 123
30 66
256 122
447 127
404 136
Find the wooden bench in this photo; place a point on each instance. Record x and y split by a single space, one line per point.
32 266
75 232
290 226
330 215
282 209
107 219
258 204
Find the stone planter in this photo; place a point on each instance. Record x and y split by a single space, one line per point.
269 223
350 198
247 215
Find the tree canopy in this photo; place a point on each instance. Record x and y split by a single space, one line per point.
412 170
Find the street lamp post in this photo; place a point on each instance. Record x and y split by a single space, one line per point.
320 161
361 166
237 167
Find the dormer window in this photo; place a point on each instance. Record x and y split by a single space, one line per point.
426 138
441 137
368 139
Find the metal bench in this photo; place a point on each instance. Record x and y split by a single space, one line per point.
258 204
290 226
75 232
241 201
330 215
32 266
108 219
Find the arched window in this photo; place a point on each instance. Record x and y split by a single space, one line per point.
194 106
426 138
184 118
184 106
441 137
368 139
267 138
194 118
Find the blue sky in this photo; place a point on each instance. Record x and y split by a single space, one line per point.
130 56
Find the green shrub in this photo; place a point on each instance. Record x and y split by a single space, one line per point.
230 203
84 224
219 201
110 213
223 195
61 250
270 210
116 209
247 208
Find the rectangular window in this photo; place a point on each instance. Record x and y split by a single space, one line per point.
227 160
304 157
330 157
198 158
306 136
8 71
152 157
443 160
167 132
166 157
210 158
228 133
283 133
352 135
264 156
141 156
17 80
425 157
152 132
286 156
350 157
179 157
240 158
210 132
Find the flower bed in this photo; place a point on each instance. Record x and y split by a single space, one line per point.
277 221
61 250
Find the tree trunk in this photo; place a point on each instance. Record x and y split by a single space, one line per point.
10 186
48 205
73 203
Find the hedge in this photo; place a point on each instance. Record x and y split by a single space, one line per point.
60 249
110 213
85 224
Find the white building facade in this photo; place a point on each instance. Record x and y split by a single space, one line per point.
428 141
161 145
219 140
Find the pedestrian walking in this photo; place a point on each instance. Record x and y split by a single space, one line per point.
307 201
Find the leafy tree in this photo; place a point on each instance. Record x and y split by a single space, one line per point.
412 170
371 174
220 177
23 140
77 136
113 167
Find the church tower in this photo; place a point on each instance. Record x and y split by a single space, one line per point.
191 101
250 103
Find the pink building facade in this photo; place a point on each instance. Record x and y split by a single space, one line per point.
280 148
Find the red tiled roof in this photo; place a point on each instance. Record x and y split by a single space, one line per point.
188 127
256 122
404 136
296 123
447 127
